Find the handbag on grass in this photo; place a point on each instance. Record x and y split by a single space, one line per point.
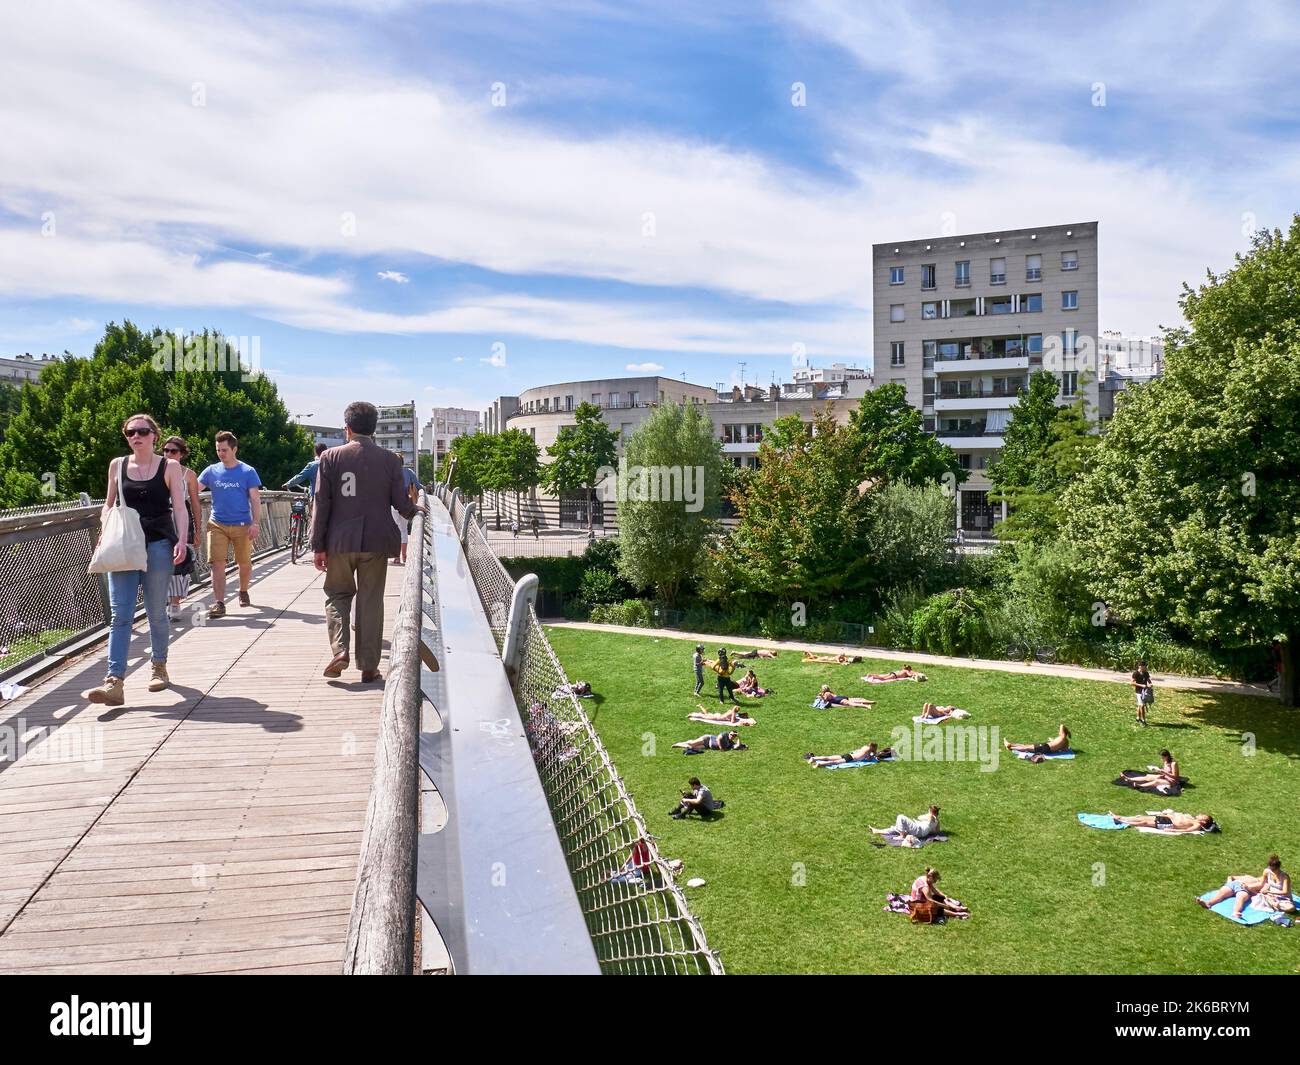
121 540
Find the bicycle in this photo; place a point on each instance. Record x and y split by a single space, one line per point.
299 512
1028 652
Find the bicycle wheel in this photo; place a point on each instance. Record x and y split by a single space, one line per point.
295 542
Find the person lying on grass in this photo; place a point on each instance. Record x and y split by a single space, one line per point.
921 827
1058 744
723 741
749 686
831 699
931 712
759 652
1166 774
835 660
869 753
1169 821
924 890
697 800
731 716
906 673
1273 888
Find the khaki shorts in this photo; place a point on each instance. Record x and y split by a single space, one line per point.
223 537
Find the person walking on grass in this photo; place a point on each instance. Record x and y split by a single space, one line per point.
176 449
236 504
353 536
1143 691
154 486
697 661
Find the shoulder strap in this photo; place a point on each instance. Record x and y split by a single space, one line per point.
121 481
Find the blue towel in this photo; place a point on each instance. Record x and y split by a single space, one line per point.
1250 915
854 765
1029 754
1100 821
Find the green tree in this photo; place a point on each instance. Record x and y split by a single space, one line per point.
1190 511
894 446
473 457
514 464
578 454
908 530
11 399
424 468
662 541
69 425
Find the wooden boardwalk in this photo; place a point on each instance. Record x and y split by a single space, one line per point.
213 827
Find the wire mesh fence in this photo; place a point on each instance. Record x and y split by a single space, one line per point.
48 600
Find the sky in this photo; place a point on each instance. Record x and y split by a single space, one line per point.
452 200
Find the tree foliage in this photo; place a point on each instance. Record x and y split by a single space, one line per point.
578 454
894 446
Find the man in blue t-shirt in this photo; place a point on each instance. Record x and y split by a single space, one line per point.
236 504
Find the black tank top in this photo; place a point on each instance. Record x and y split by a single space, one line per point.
153 500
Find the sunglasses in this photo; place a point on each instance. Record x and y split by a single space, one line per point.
137 430
172 451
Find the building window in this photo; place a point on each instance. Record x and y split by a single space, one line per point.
929 311
753 434
1033 267
614 400
568 403
928 424
895 275
962 276
1069 260
731 434
634 399
1069 338
927 390
997 271
964 459
1069 383
999 305
896 353
595 398
1032 302
896 312
927 276
1070 301
1034 344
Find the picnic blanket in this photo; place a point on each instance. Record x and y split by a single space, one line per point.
897 839
855 765
956 715
1026 755
895 903
1251 915
1172 790
1103 821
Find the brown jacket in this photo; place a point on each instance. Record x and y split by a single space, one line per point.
355 486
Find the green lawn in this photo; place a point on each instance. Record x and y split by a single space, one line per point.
1017 856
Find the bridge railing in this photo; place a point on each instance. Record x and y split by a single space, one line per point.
50 605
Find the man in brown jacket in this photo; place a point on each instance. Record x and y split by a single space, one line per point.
353 536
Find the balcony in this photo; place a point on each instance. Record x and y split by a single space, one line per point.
974 402
980 363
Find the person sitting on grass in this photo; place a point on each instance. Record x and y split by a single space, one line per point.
921 827
837 660
869 753
1058 744
1166 775
723 741
1273 888
749 686
733 715
906 673
831 699
757 653
697 800
1169 821
924 890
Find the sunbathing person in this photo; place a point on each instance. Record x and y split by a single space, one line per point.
1169 821
757 653
1167 774
929 710
749 686
733 715
1274 885
838 660
1058 744
921 827
869 753
723 741
906 673
829 697
923 889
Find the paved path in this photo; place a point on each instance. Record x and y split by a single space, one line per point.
213 827
895 658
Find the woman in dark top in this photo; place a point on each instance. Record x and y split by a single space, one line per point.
153 486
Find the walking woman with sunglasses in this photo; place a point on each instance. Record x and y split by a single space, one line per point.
176 448
154 486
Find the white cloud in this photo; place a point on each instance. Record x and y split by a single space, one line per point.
393 275
644 367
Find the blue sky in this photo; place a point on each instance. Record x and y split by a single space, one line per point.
386 194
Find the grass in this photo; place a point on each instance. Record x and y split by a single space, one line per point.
794 886
21 648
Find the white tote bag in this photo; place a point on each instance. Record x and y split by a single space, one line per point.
121 540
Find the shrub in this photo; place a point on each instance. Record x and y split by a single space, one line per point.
636 612
950 623
599 586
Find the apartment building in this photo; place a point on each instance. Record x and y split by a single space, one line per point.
397 431
443 426
962 321
329 435
24 368
828 374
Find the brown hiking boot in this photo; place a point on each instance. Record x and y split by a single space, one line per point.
244 600
218 610
110 692
159 680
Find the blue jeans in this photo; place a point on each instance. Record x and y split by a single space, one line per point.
123 587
